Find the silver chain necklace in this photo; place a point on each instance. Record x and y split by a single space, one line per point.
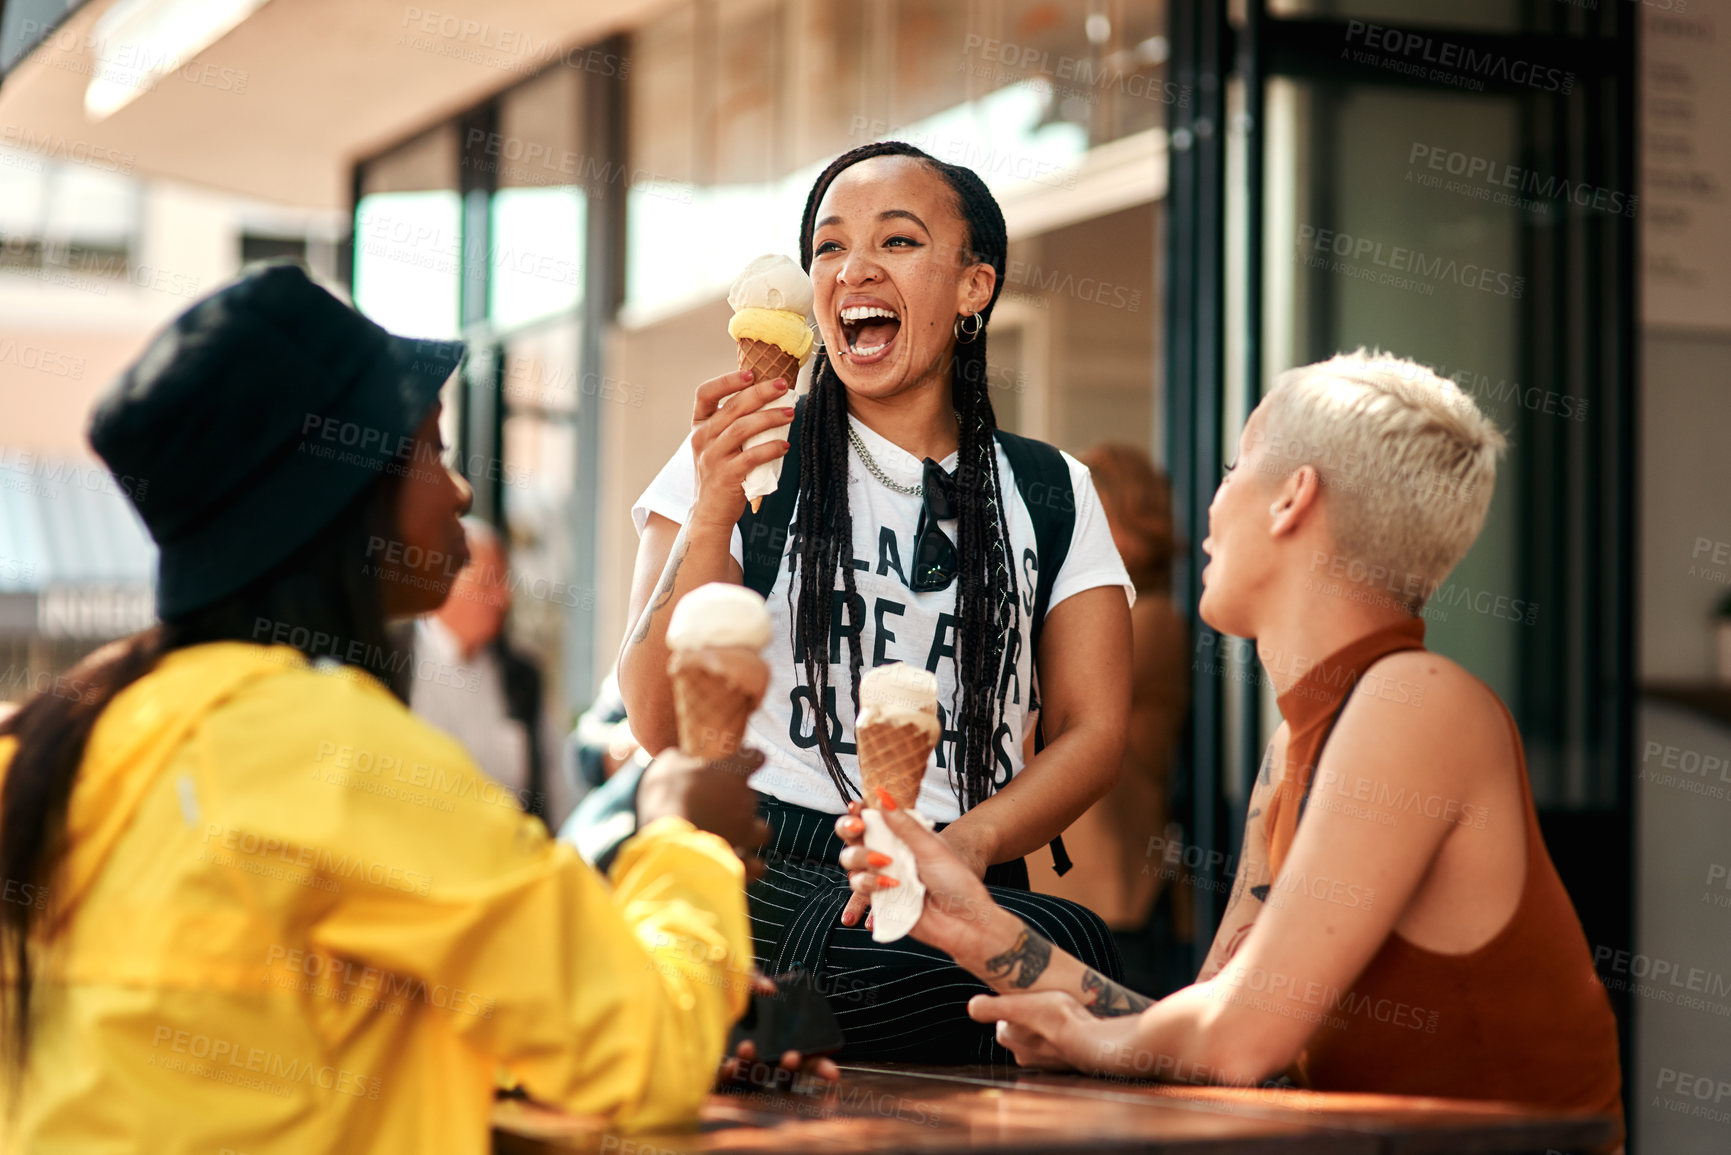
873 468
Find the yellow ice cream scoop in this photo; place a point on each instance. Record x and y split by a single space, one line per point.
770 301
784 329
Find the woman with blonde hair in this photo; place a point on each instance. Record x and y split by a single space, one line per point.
1396 925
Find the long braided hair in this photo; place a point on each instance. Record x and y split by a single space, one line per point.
987 611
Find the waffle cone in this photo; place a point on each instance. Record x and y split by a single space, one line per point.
767 362
715 692
892 756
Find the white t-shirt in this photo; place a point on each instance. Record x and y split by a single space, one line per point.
899 625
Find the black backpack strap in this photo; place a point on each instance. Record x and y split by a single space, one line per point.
1043 479
763 535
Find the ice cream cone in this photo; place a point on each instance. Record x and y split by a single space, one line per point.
892 757
770 300
767 361
715 692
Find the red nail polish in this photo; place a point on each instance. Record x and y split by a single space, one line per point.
878 859
885 799
885 882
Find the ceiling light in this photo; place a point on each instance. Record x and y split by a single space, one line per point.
138 42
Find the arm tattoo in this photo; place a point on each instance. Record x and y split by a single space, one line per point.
1106 999
1266 774
1024 962
663 592
1236 941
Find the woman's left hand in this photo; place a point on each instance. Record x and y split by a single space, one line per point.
965 848
1051 1029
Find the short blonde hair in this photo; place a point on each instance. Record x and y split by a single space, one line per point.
1407 461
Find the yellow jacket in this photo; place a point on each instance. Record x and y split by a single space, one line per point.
298 919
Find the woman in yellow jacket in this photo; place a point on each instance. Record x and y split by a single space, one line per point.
253 903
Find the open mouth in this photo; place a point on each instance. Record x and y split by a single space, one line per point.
869 331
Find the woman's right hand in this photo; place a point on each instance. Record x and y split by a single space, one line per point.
714 796
958 908
718 433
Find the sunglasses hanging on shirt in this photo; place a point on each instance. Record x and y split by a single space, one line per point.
934 553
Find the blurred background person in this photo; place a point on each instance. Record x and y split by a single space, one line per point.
602 743
1117 845
474 685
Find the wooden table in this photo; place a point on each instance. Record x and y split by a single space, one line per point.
897 1108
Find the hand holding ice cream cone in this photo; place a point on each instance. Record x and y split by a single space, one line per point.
770 301
715 640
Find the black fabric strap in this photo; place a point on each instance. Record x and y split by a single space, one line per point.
1043 479
763 535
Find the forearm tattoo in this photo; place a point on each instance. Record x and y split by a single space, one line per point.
1023 964
663 592
1106 999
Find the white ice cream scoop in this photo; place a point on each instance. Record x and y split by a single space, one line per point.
719 614
772 281
897 693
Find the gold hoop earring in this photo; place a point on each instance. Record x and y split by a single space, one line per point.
965 335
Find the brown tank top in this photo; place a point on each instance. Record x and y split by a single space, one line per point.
1521 1019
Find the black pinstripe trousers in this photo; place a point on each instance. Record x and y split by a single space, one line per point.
895 1001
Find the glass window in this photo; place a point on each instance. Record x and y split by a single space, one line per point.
408 237
66 216
1017 90
542 393
537 221
1433 274
1097 65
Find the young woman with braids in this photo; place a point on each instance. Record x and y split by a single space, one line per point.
910 542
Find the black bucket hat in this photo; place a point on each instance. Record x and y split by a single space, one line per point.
253 420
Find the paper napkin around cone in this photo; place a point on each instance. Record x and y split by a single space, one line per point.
896 910
768 362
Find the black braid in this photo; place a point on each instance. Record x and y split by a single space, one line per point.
987 601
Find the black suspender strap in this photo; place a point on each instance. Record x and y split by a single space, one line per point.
763 535
1043 479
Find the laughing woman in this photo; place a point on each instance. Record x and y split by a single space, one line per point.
916 531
